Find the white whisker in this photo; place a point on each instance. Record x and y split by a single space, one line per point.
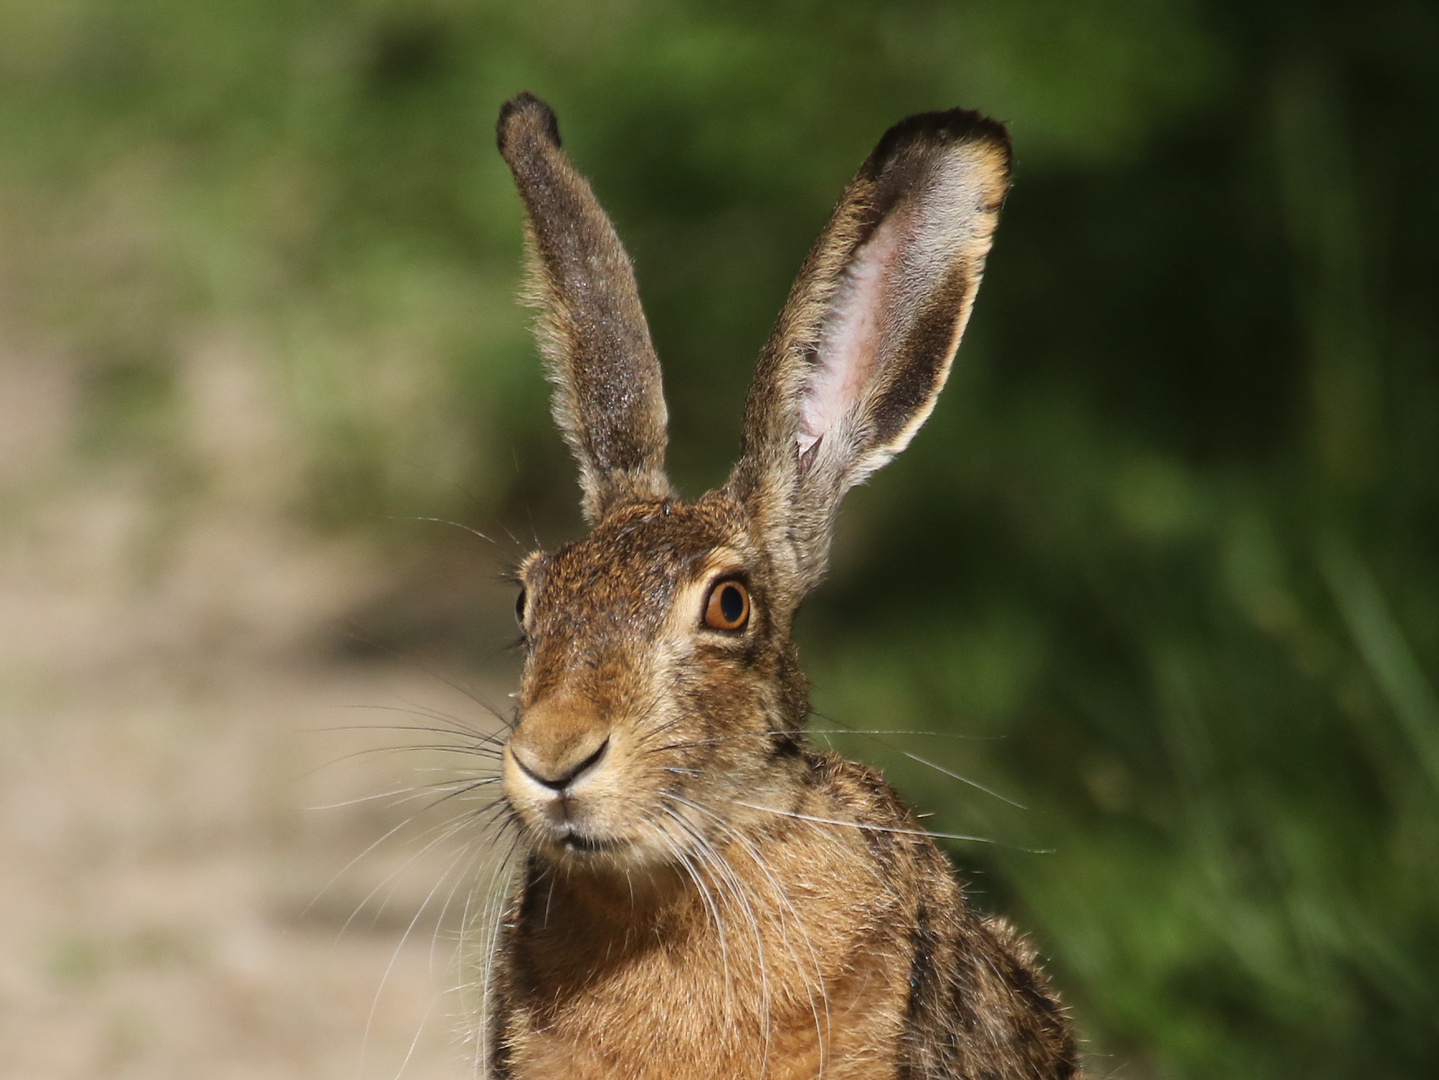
866 827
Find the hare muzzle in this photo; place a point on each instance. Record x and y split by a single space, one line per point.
557 771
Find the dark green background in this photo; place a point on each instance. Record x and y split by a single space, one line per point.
1166 554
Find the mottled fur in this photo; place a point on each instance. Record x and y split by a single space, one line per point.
704 895
591 329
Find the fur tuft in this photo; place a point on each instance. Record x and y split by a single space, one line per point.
532 116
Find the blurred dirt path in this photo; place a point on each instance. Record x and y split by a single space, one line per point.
166 658
165 910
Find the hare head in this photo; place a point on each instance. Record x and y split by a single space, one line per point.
662 697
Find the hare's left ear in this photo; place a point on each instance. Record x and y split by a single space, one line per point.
592 332
865 342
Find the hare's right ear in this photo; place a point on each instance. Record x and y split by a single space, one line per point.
592 332
865 342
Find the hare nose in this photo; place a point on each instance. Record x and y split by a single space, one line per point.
560 774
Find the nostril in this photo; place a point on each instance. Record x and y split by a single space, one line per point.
591 761
560 776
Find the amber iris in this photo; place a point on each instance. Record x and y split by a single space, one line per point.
727 607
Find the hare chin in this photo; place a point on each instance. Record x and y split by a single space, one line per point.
596 853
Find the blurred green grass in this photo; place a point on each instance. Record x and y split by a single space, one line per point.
1170 544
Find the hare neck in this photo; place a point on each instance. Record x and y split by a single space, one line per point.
596 909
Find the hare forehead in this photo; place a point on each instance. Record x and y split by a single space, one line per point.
635 560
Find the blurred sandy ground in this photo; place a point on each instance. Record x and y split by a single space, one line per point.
163 673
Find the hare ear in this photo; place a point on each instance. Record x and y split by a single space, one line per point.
592 333
866 339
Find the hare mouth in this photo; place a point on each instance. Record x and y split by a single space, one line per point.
578 842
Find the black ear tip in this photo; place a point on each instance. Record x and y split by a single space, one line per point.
948 127
525 113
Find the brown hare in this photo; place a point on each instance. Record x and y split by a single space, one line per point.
703 893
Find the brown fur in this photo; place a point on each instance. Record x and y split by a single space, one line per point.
591 328
705 896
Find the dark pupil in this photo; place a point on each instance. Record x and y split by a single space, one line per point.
731 604
520 606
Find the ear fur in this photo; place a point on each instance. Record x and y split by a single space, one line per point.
608 401
865 341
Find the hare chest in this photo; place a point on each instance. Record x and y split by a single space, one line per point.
755 979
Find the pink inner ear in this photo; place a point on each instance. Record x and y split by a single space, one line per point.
852 335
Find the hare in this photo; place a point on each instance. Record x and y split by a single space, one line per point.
703 893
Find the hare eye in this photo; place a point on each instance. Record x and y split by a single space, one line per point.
727 607
520 607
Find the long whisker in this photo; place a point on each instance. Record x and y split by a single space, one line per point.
780 894
448 722
817 731
431 669
890 829
726 875
713 908
447 521
964 780
405 794
467 856
393 751
441 833
874 737
394 958
446 725
351 865
492 919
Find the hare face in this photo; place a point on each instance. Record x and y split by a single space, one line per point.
642 711
655 670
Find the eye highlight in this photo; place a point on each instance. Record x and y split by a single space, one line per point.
728 606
